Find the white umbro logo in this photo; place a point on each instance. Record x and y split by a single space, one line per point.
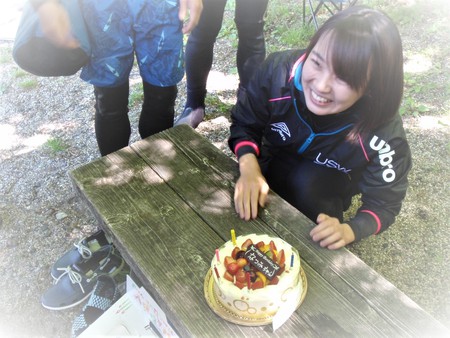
282 129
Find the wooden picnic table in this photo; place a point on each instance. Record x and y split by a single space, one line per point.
167 203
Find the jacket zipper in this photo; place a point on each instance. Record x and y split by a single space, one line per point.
312 134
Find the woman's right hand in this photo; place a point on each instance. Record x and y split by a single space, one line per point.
55 24
251 188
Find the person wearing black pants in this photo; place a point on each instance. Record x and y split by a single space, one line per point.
120 31
251 51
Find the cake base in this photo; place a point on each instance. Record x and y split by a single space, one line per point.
217 307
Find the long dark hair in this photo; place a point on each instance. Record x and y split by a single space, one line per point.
366 53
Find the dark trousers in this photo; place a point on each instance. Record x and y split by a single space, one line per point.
251 51
112 125
309 187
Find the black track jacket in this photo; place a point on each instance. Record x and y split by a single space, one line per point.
271 113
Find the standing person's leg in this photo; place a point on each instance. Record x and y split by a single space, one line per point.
112 125
159 52
249 18
109 26
199 59
158 109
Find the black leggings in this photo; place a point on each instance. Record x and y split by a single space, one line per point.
310 188
112 125
251 51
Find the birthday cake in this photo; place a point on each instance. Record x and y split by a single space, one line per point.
256 276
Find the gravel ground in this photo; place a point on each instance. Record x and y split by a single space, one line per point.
46 129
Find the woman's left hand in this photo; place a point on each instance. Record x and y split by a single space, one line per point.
331 233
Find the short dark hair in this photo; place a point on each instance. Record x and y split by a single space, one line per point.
366 53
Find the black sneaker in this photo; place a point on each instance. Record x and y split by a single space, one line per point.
104 295
77 281
192 117
82 251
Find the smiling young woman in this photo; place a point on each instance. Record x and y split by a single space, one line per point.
321 125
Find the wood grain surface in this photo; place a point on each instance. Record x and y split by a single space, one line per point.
167 202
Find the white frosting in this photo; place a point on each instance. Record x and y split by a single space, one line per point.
259 303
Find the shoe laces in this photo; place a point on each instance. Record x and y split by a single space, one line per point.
84 251
74 277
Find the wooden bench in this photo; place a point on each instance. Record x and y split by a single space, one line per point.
167 202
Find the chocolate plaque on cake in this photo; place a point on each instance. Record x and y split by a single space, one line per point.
262 262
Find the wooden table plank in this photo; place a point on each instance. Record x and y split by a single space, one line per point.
172 271
205 167
177 185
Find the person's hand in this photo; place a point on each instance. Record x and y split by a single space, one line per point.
55 25
331 233
195 8
251 188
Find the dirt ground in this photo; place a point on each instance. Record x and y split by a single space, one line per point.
46 129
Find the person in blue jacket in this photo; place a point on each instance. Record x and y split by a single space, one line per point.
119 29
322 125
